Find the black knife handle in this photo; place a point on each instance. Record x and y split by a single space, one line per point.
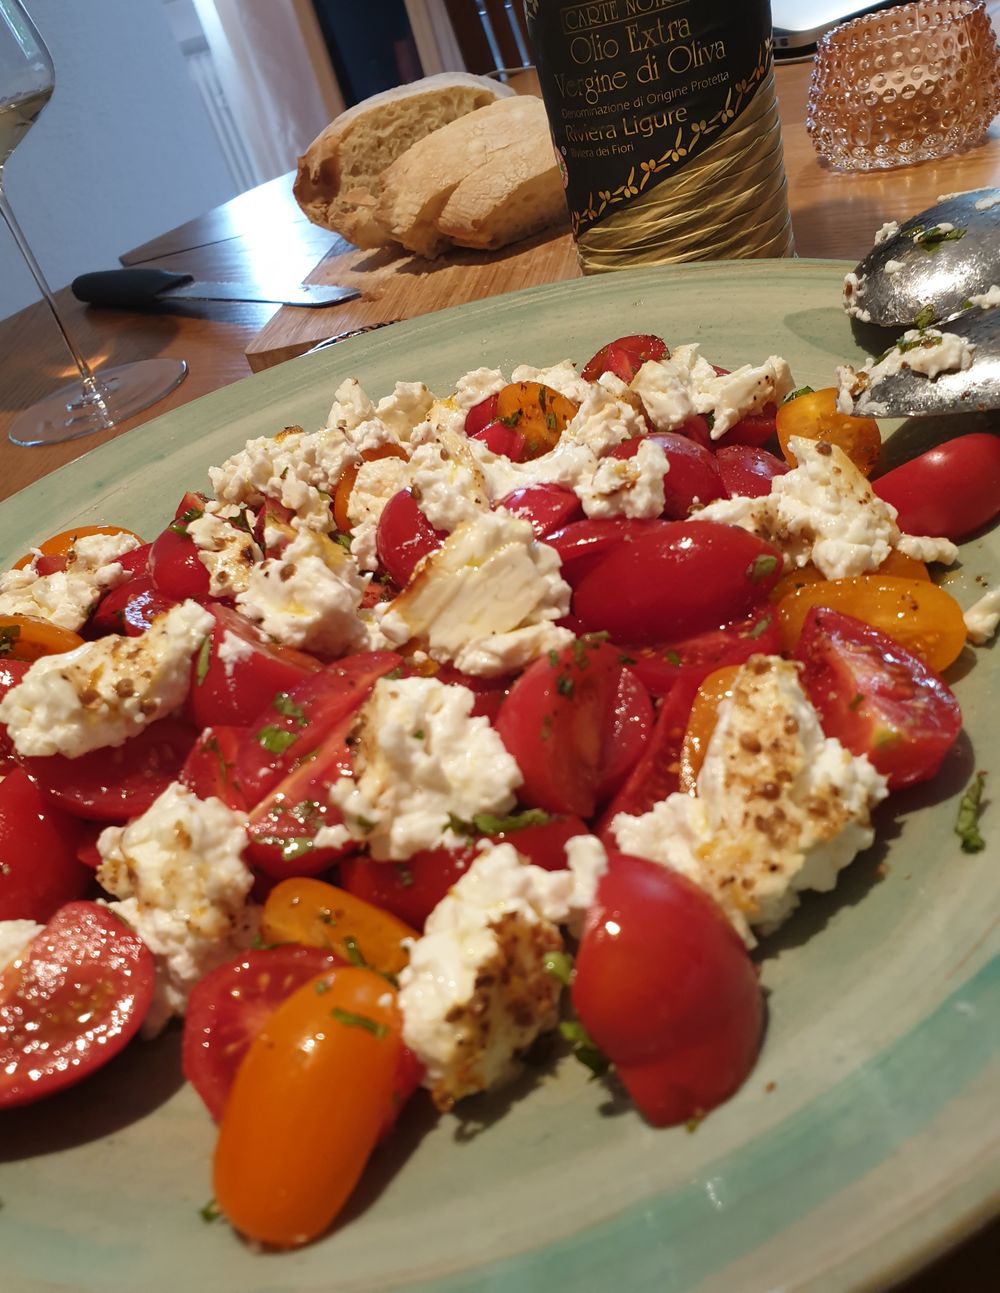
126 287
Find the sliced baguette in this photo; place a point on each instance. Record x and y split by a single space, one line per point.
516 194
418 185
339 176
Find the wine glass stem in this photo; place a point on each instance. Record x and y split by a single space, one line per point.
95 391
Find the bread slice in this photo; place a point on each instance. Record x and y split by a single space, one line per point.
339 176
418 185
514 195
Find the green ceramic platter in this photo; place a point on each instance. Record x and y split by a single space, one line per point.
865 1141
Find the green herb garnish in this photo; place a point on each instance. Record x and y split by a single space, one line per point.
794 395
489 824
275 740
584 1048
925 318
284 704
560 966
180 525
210 1211
8 636
565 685
203 661
761 567
969 809
351 1020
931 239
292 847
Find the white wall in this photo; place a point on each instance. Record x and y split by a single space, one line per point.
123 152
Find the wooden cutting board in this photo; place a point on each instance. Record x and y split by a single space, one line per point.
396 285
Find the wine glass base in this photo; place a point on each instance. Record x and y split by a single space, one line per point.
118 393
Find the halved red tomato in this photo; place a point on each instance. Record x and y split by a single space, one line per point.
546 508
692 476
71 1002
624 357
404 536
209 770
748 471
660 667
130 608
39 870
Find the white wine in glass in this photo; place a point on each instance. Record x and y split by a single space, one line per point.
96 401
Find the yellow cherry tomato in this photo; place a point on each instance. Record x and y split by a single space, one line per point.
304 910
307 1106
814 416
538 412
62 544
23 637
896 563
701 724
342 493
916 613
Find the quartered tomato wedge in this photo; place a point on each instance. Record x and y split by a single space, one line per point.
130 608
665 988
24 637
113 784
624 357
546 508
230 1005
73 999
175 567
39 870
876 697
693 658
815 416
536 412
209 770
404 536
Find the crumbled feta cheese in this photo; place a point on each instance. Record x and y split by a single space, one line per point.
991 200
420 759
308 597
825 511
227 553
66 597
491 577
854 287
476 992
179 871
232 650
627 486
297 469
986 300
888 230
407 406
351 406
672 389
377 481
983 618
927 351
364 545
893 266
447 483
477 386
103 692
561 377
15 935
780 807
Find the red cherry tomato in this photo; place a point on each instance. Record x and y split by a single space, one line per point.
675 579
950 491
502 440
696 428
583 544
755 428
692 476
175 567
11 673
39 870
110 785
660 667
624 357
130 608
481 415
240 672
272 515
558 722
296 722
71 1002
229 1007
404 536
209 770
546 508
748 471
876 697
631 728
665 988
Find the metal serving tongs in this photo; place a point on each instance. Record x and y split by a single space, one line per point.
932 275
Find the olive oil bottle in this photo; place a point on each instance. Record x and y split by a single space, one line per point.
665 122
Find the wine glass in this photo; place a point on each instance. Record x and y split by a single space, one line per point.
97 401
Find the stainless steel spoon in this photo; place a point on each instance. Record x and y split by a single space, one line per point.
910 393
927 268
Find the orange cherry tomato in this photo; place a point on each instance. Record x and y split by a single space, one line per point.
23 637
914 612
342 494
62 543
538 412
303 910
896 563
814 416
701 724
307 1106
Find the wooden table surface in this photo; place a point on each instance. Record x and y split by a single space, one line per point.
263 234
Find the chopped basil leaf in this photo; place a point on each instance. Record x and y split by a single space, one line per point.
931 239
351 1020
306 810
489 824
292 847
210 1211
969 809
761 567
710 419
180 525
275 739
674 658
343 538
794 395
554 659
925 318
583 1047
580 646
966 305
203 660
9 634
419 734
394 674
512 419
403 874
322 987
565 685
760 627
626 659
599 635
354 952
559 965
856 700
914 343
284 704
550 421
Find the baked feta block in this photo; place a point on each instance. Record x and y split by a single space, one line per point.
66 597
103 692
183 887
421 760
825 511
308 597
779 807
476 992
486 600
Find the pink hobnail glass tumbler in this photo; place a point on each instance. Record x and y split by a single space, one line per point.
904 85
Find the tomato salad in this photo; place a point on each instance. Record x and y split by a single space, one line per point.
458 722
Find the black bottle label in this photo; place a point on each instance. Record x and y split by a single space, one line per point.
636 90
